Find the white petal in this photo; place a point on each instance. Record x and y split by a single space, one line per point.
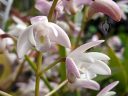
38 19
31 37
23 44
81 57
97 56
90 75
87 75
86 46
72 70
86 83
62 37
54 30
107 88
100 67
110 93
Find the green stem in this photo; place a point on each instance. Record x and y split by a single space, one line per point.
37 74
32 64
78 92
52 65
52 10
34 67
4 93
62 67
46 82
57 88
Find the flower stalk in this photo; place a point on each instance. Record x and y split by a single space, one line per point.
4 93
37 74
34 67
57 88
52 10
52 65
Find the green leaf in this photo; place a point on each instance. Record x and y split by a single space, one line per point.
121 73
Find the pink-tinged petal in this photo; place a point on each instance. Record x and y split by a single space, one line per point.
86 83
107 88
86 46
99 67
72 70
108 7
97 56
38 19
23 44
43 6
70 6
83 2
62 37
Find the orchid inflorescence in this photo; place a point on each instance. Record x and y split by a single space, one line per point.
82 67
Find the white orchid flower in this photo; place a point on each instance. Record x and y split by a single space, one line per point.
123 4
72 6
18 28
4 42
106 91
82 67
41 34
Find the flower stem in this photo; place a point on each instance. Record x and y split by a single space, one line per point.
37 74
52 10
52 65
57 88
4 93
34 67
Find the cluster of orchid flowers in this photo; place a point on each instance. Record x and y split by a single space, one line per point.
82 67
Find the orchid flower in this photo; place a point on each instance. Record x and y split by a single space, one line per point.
4 42
106 91
124 8
72 6
108 7
41 35
82 67
18 28
44 7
